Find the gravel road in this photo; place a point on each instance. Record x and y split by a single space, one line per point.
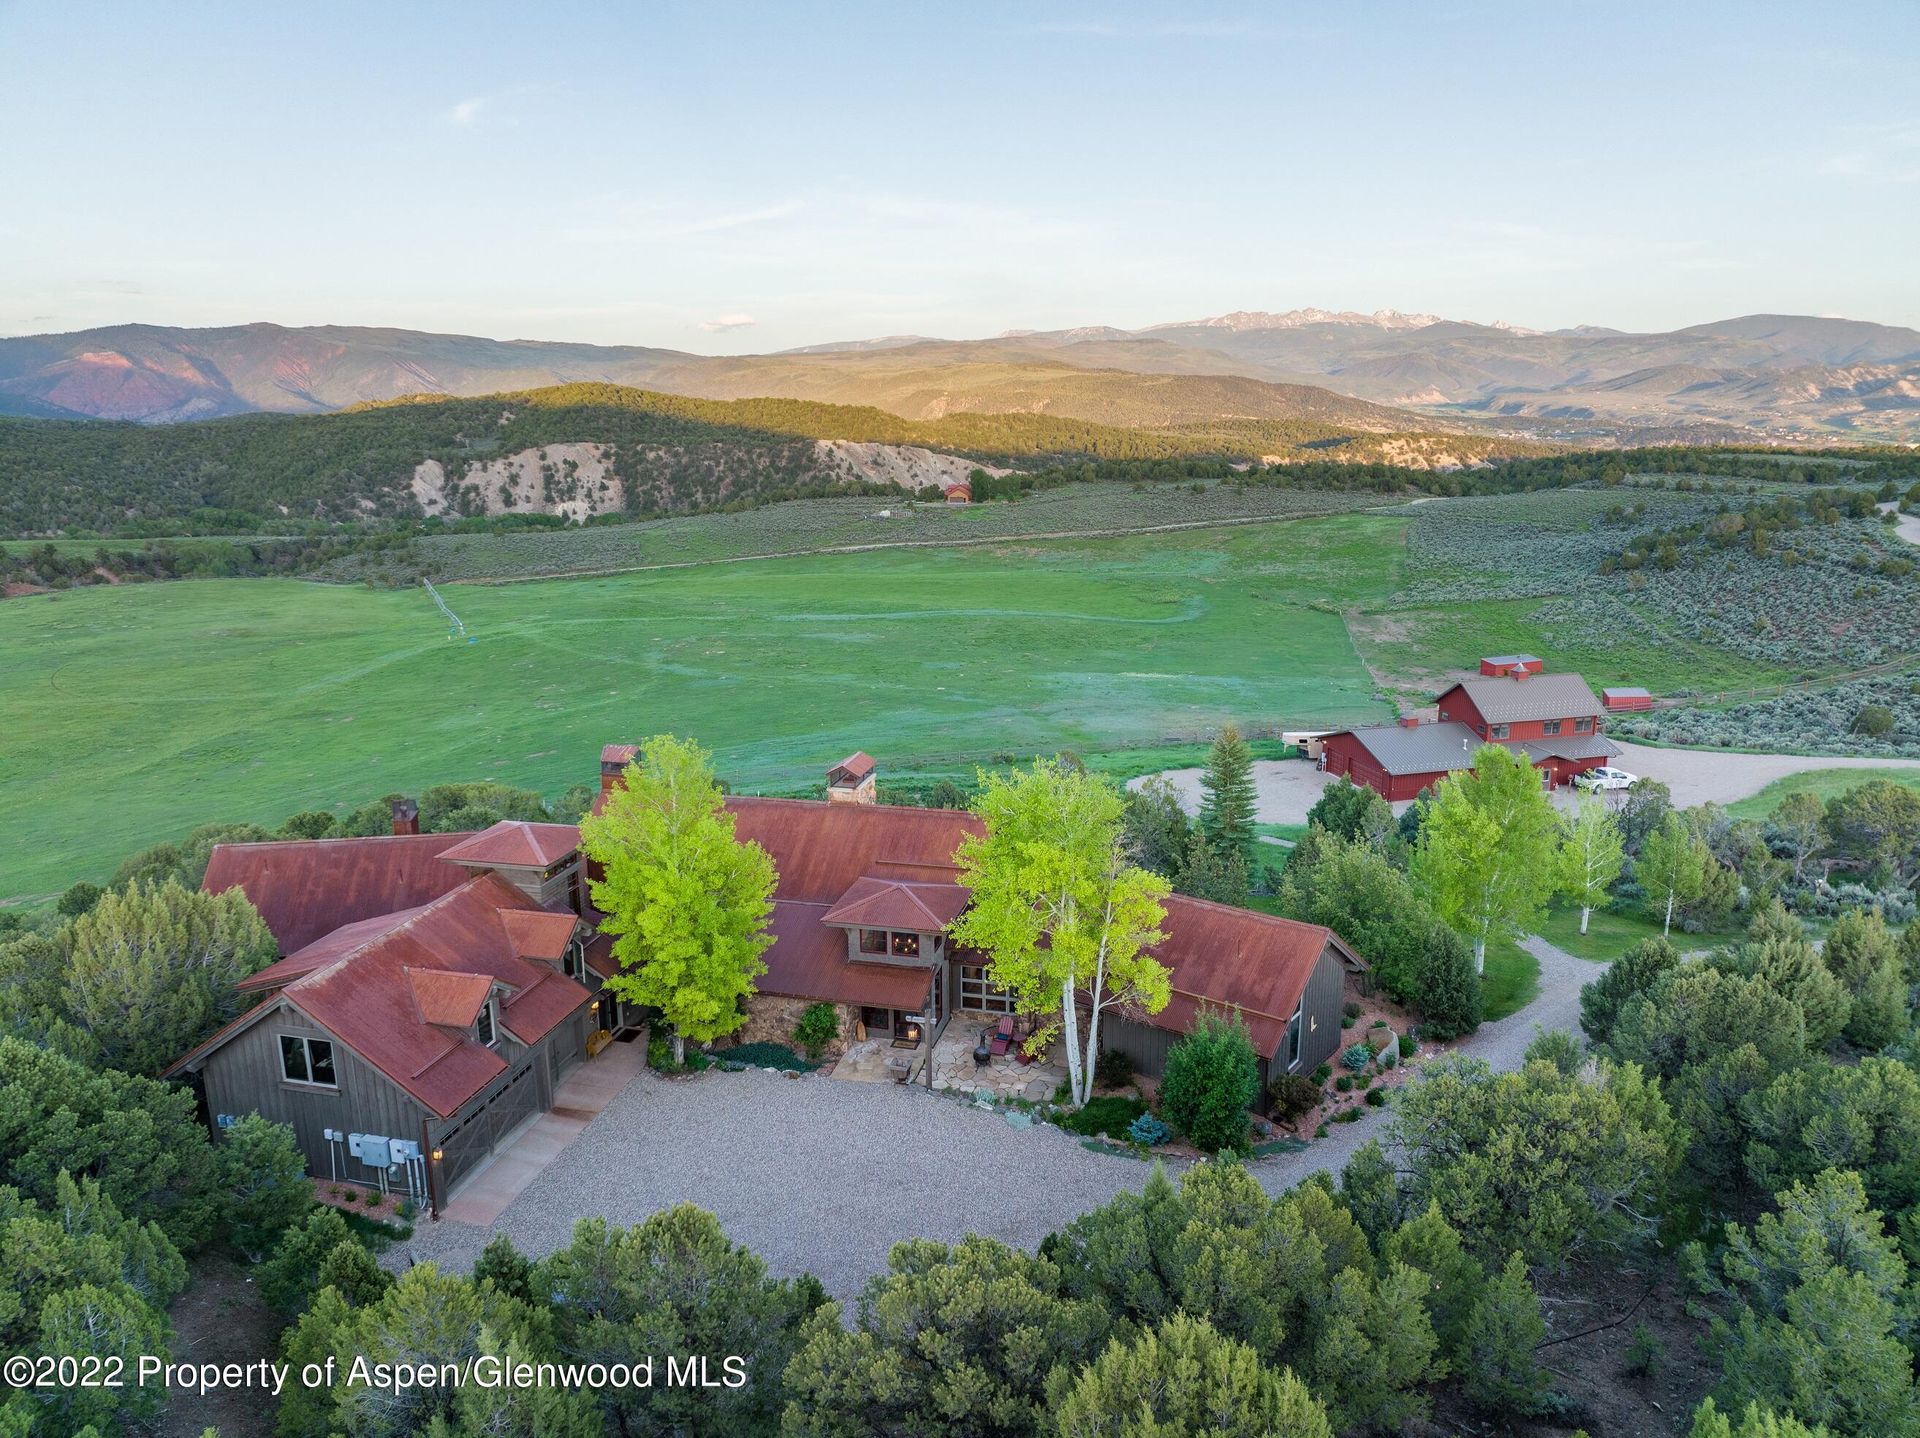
823 1175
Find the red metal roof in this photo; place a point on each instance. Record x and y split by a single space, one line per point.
539 933
307 888
808 960
893 904
821 849
517 845
365 987
852 769
448 999
1236 958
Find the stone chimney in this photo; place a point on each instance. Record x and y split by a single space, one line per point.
406 817
851 781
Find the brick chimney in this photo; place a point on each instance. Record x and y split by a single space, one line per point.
406 817
1409 721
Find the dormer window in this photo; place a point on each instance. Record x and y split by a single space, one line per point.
889 944
906 946
486 1026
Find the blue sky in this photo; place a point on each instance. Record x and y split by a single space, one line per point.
731 177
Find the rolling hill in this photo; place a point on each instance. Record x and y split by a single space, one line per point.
589 450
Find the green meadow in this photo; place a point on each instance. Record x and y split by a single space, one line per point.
134 713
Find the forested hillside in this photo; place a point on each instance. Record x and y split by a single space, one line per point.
671 454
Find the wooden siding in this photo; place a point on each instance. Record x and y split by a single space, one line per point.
244 1076
1320 1032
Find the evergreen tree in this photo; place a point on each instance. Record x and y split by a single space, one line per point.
1454 1278
264 1177
1501 1376
1211 1080
1634 972
151 970
1227 796
1183 1379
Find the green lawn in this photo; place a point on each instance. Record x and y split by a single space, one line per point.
1511 979
134 713
1827 783
1610 934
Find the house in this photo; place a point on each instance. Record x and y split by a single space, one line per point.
433 989
958 492
866 892
1553 720
431 992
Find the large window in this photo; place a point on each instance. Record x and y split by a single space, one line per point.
979 993
889 944
906 946
1550 726
1499 731
307 1061
1583 726
485 1029
873 941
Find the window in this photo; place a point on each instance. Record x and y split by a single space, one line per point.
1551 726
1293 1037
1583 726
979 993
307 1061
574 963
484 1028
1499 731
873 941
906 946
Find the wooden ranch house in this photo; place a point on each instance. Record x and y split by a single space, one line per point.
1554 720
433 989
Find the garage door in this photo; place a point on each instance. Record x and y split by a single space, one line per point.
463 1147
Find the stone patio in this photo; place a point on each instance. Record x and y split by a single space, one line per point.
1002 1076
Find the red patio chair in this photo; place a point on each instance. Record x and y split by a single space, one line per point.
1002 1035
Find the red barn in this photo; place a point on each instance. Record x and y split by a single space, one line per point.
1552 719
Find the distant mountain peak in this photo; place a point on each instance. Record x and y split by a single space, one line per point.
1295 319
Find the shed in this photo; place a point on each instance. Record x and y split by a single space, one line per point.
1626 696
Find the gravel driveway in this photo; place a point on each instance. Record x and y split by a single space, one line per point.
824 1175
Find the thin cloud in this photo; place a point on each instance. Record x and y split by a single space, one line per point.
726 322
467 111
1886 154
1152 30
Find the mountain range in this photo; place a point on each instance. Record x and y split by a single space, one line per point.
1772 376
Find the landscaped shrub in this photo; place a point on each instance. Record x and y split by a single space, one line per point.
1362 1080
1409 1046
1293 1095
1344 1083
1211 1080
1148 1130
1351 1009
1389 1056
1376 1096
1323 1073
1113 1069
763 1056
1347 1115
819 1026
1111 1114
1356 1056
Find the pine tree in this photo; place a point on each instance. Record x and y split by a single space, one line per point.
1501 1375
1227 796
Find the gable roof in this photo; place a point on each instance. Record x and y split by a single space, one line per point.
820 849
1424 749
852 769
448 999
307 888
1225 957
1519 701
1567 746
516 844
539 933
391 989
872 903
